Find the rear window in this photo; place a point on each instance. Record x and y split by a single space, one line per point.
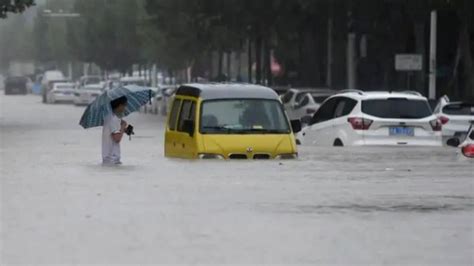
397 108
459 109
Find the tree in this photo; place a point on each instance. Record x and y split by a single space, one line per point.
106 34
15 6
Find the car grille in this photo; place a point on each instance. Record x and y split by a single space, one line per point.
238 157
261 157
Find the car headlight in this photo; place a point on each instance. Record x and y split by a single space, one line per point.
210 156
289 156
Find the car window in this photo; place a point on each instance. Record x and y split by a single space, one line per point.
174 114
344 107
303 102
339 111
299 96
287 97
326 111
397 108
459 109
188 111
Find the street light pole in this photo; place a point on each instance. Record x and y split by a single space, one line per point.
433 52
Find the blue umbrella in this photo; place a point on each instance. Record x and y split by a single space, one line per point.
96 111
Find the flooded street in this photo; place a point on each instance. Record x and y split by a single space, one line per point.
381 206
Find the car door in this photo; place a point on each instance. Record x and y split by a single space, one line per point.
171 135
186 143
321 128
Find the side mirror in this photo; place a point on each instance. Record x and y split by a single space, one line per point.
296 126
188 127
454 142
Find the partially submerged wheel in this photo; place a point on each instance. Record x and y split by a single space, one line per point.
338 143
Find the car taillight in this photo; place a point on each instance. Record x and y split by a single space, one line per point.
468 151
444 120
436 125
359 123
310 111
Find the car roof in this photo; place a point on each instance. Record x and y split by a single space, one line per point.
366 95
214 91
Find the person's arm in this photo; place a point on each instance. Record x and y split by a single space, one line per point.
118 135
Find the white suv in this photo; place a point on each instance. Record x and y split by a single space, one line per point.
356 118
456 117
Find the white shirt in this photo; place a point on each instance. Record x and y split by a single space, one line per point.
110 148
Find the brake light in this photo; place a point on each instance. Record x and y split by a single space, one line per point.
436 125
359 123
310 111
444 120
468 151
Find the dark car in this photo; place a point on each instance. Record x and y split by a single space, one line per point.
16 85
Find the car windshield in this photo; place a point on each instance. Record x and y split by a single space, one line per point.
459 109
397 108
246 116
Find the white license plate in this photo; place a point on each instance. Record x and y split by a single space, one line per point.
402 131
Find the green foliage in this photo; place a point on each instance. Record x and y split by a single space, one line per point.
106 33
15 6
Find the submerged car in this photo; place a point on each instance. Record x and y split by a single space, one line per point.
467 146
357 118
309 105
292 98
456 118
87 94
61 92
16 85
229 121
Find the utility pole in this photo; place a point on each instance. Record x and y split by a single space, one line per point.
351 61
433 54
351 51
329 48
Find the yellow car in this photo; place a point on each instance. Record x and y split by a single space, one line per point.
229 121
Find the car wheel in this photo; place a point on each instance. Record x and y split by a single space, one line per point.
338 143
